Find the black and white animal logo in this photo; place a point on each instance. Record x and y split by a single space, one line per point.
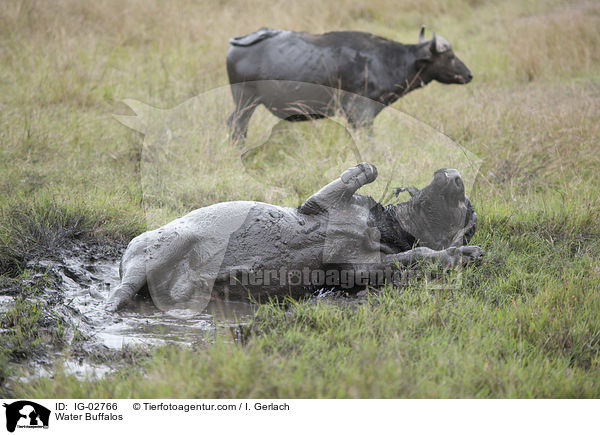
26 414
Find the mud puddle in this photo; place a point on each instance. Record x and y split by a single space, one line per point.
77 281
81 279
87 285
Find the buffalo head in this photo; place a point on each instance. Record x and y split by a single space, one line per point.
439 215
438 62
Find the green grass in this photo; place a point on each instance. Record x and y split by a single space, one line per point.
31 325
526 323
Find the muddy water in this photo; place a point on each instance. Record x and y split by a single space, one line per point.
87 285
81 281
84 283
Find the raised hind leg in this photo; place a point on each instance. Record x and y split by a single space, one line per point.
339 192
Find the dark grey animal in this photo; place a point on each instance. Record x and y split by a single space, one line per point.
295 74
247 249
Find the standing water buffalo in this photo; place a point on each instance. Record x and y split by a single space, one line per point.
293 74
241 249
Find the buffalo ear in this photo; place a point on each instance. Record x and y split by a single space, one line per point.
423 59
422 34
424 56
426 52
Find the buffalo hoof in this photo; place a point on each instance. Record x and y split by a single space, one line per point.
363 173
115 301
462 255
112 305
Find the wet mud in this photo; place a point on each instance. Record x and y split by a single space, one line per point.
71 287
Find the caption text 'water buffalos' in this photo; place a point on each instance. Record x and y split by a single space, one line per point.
270 67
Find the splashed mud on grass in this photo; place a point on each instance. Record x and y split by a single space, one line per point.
65 296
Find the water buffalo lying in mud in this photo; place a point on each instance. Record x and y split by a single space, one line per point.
270 66
241 249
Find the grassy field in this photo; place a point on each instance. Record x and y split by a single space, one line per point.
526 323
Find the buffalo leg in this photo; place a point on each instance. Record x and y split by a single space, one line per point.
449 257
341 189
238 120
133 275
361 112
375 273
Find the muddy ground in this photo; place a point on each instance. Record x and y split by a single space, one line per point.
53 312
52 315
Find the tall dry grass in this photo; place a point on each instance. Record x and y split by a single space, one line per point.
531 113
